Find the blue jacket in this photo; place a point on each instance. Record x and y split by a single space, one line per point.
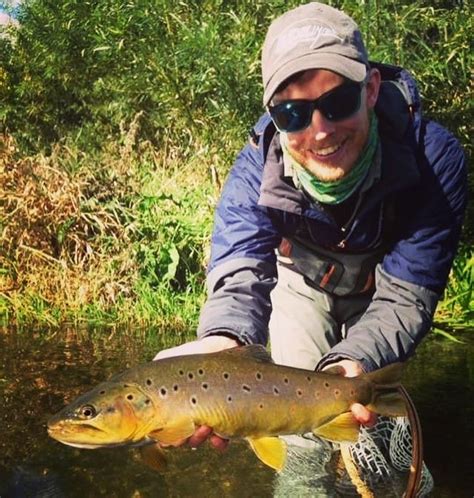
422 179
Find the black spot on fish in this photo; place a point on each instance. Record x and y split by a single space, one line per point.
175 388
149 382
258 376
147 401
308 378
163 391
193 400
190 376
130 397
317 394
205 385
181 372
326 385
110 409
299 392
229 399
260 406
286 380
352 392
201 371
337 393
226 376
246 388
102 392
276 391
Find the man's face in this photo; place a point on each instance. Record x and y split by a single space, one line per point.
328 149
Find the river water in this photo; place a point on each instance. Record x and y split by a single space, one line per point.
40 371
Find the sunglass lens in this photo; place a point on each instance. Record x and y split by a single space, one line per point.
292 116
341 103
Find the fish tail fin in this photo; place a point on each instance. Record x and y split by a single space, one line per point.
387 399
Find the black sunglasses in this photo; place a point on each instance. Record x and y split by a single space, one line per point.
335 105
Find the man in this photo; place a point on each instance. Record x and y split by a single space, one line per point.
339 221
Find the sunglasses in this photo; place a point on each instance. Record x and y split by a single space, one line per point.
337 104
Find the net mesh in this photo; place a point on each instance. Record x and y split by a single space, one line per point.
382 456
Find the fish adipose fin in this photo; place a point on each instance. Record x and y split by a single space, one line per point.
344 427
387 399
270 450
174 433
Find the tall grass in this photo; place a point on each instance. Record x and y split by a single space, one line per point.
456 311
114 236
120 120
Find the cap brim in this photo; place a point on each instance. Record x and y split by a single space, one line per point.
349 68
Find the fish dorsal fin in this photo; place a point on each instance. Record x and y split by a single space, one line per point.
254 351
175 432
344 427
270 450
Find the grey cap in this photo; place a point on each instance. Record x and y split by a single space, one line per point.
312 36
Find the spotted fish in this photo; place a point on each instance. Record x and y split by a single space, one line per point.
238 392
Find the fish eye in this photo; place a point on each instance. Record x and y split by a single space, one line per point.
87 411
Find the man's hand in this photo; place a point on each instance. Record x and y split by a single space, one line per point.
350 368
209 344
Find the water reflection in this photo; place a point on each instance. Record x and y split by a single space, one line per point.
42 371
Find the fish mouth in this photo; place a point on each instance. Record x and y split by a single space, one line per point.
71 434
71 428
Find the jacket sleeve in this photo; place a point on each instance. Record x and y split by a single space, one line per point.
412 276
396 320
239 300
242 268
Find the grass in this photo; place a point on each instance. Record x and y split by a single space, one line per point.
456 310
112 237
119 123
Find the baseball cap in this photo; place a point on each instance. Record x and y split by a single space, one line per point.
312 36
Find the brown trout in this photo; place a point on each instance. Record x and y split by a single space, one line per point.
238 392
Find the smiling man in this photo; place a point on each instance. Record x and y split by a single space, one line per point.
339 222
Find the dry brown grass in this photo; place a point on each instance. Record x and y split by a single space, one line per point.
54 223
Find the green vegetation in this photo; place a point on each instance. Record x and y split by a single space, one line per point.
120 120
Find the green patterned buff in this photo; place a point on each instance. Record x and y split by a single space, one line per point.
340 190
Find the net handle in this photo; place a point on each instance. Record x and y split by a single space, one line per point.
416 468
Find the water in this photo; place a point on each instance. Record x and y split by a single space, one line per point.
42 371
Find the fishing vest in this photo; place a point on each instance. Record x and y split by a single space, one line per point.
333 271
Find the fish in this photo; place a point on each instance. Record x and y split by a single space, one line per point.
239 392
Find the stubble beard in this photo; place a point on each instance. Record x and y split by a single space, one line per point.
324 172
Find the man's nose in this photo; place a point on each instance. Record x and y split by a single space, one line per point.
321 127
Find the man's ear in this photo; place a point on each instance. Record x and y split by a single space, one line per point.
373 87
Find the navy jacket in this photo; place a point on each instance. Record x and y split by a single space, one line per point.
423 179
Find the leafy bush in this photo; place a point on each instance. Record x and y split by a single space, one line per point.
118 120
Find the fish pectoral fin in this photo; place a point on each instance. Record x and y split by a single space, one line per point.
270 450
153 456
344 427
174 433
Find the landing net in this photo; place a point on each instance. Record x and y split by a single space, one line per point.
382 457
